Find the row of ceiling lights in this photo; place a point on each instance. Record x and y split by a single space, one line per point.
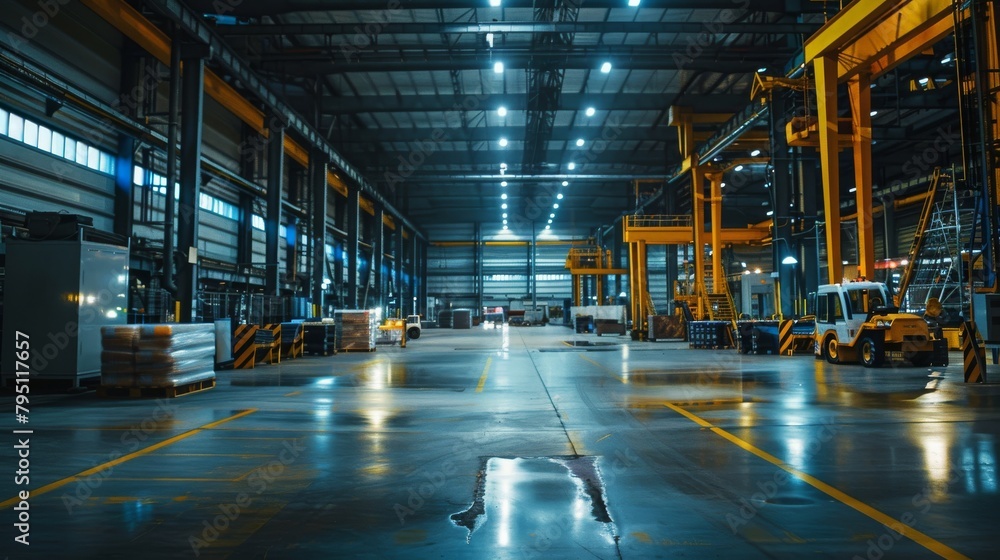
631 3
552 215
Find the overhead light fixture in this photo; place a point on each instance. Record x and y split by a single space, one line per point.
503 142
873 113
505 215
501 111
633 3
503 183
556 206
548 227
503 206
762 69
503 166
579 142
770 212
756 270
743 264
853 189
498 67
503 196
495 3
505 228
559 196
606 67
789 260
843 263
565 183
590 111
571 166
755 153
723 185
552 215
923 81
550 220
738 168
946 59
489 39
505 222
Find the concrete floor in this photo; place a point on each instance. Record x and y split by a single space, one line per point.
509 443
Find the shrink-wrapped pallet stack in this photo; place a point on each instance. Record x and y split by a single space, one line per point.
356 329
157 356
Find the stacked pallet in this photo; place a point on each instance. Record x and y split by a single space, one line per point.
356 330
709 334
320 338
158 356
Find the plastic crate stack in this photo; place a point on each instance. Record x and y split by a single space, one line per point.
708 334
356 329
157 355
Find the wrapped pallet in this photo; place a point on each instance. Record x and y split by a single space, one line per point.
157 356
356 329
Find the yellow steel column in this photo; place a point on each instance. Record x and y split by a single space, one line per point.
644 282
718 277
859 92
698 235
576 289
826 108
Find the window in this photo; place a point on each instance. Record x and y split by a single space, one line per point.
58 144
45 139
257 222
16 129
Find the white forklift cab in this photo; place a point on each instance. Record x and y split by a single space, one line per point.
853 324
413 327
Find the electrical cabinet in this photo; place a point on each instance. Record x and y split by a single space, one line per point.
60 293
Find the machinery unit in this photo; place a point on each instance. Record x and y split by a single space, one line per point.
60 293
413 327
854 325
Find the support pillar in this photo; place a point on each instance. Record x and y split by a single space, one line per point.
479 283
244 234
782 209
275 172
807 178
670 207
397 248
859 93
193 103
352 247
317 182
698 234
378 255
718 274
826 110
415 286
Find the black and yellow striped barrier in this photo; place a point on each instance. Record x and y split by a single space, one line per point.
269 341
244 347
785 338
974 357
294 348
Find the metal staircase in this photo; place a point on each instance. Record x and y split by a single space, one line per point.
721 307
935 258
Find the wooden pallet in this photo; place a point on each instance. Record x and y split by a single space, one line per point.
156 392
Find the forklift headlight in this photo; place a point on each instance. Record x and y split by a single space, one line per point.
883 324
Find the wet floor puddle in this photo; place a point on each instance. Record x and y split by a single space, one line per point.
531 502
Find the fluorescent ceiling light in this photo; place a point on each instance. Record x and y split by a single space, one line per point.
503 206
559 196
503 196
503 183
502 111
789 260
738 168
633 3
556 206
755 153
565 183
495 3
548 227
579 142
552 215
571 166
590 111
606 67
505 215
498 67
873 113
503 142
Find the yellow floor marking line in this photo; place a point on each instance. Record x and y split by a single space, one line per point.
293 393
918 537
125 458
482 378
602 438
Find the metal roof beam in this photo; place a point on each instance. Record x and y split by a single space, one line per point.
270 7
509 27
